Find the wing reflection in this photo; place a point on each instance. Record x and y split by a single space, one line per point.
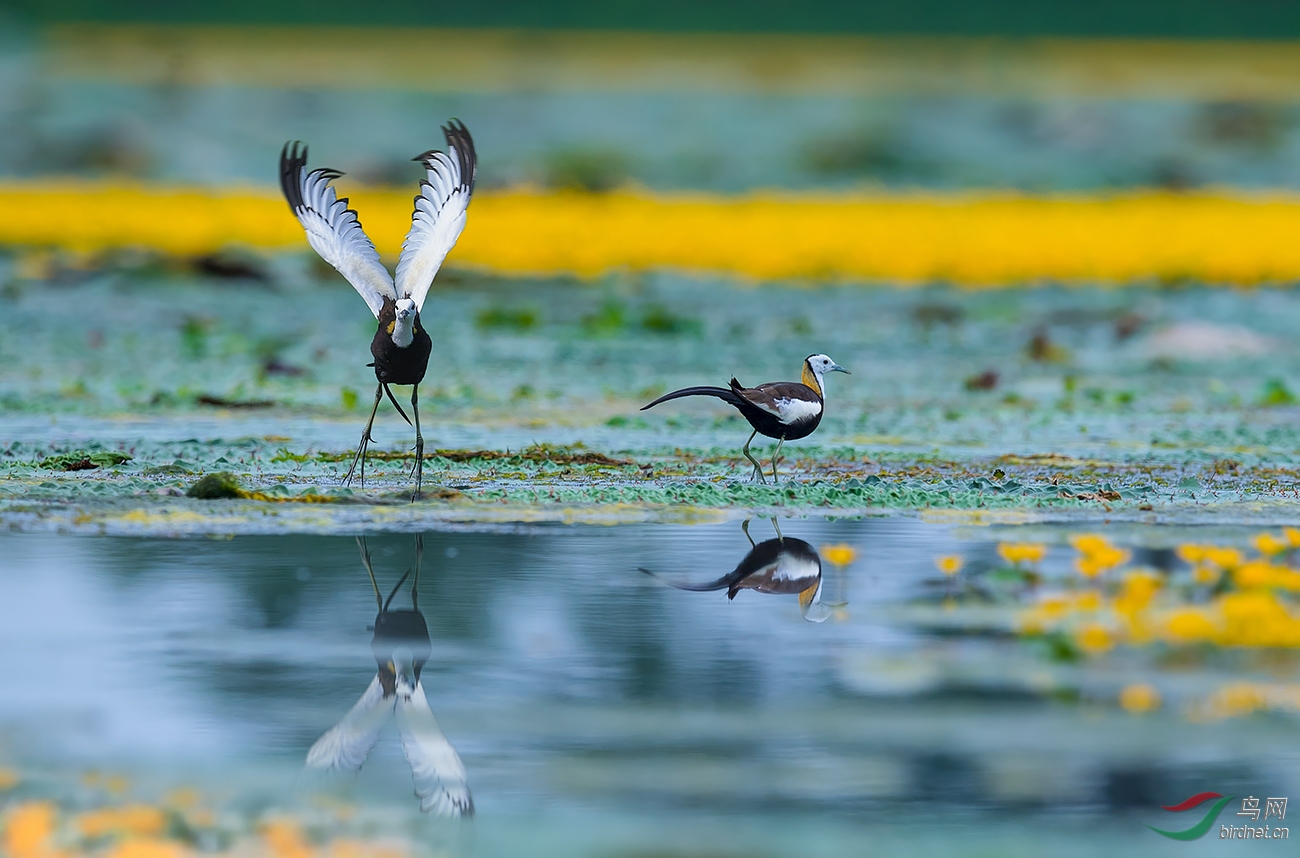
401 647
784 565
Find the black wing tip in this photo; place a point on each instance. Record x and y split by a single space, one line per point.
293 157
459 139
461 144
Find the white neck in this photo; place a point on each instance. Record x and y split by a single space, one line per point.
821 382
404 331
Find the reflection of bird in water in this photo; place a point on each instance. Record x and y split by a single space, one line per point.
781 565
401 647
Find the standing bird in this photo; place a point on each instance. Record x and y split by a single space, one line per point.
401 646
401 345
785 410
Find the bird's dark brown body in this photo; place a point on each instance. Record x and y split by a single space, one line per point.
784 410
393 363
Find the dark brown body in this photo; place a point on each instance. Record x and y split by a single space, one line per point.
747 400
757 571
394 365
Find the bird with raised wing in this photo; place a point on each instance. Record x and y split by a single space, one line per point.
785 410
401 646
401 345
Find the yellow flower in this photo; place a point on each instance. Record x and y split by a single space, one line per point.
1089 543
182 798
29 829
1206 574
1054 606
1189 625
1253 574
1236 699
968 238
345 848
139 820
1094 638
1088 600
1032 623
1190 553
839 555
1267 544
1139 698
1292 535
1021 552
949 564
1257 618
285 840
1097 555
1138 591
148 848
1224 558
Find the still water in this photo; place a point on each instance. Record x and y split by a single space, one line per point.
634 690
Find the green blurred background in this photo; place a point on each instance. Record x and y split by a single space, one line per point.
1251 19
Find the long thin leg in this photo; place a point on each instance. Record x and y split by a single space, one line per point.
758 469
365 440
370 570
419 443
415 585
776 456
777 527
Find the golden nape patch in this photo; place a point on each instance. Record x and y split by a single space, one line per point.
391 325
810 378
806 597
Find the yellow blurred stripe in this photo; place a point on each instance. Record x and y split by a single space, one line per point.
497 60
978 239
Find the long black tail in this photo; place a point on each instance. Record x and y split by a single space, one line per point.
726 582
728 396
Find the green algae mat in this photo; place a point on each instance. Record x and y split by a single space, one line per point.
1164 403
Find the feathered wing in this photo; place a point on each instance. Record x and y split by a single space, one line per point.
788 401
347 744
333 230
439 214
440 780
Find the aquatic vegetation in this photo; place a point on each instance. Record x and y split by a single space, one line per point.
969 239
42 829
224 485
218 486
80 460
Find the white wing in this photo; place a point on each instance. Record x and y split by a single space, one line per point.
794 410
439 212
440 780
347 744
333 230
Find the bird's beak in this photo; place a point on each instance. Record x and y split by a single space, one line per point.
837 368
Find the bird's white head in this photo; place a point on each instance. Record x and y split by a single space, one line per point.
404 323
815 368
